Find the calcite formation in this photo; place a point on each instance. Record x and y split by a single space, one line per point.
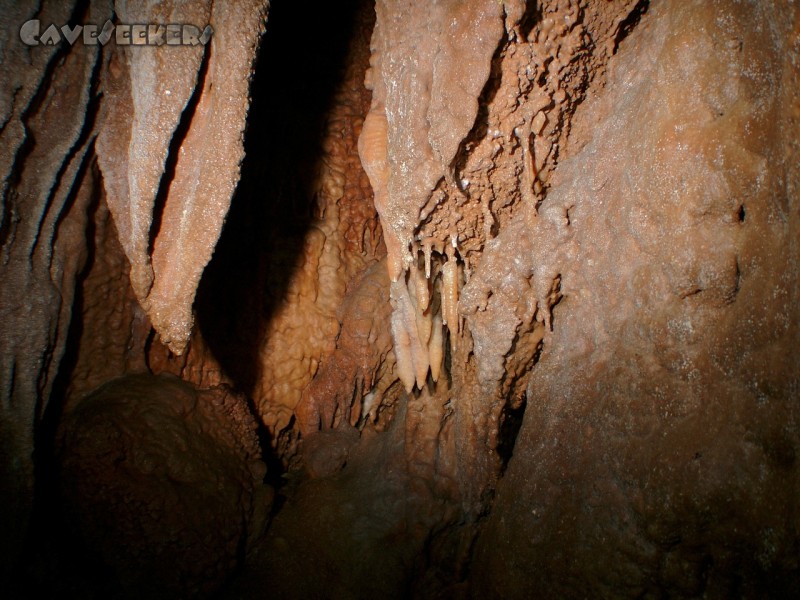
170 146
659 446
305 227
427 70
430 159
509 288
163 482
448 180
362 352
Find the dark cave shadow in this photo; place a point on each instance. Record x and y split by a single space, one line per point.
49 541
296 75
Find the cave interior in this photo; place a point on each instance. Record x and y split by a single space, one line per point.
380 298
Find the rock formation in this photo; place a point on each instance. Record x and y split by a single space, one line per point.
163 482
147 93
505 293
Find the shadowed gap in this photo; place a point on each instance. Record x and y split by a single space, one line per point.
297 72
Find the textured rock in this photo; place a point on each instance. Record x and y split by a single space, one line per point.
148 94
362 351
429 64
46 107
588 213
110 327
657 455
448 180
343 239
357 531
164 482
302 227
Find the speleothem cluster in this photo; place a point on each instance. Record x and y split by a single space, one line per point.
509 287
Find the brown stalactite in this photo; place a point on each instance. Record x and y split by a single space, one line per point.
148 92
456 142
507 297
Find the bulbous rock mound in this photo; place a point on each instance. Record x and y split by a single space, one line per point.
164 483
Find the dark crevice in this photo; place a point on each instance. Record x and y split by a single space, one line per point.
630 22
261 243
86 163
83 147
510 425
532 16
29 112
8 224
275 470
737 286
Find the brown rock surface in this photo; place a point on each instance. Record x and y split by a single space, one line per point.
163 482
429 64
47 100
110 327
302 227
442 202
187 105
362 351
658 451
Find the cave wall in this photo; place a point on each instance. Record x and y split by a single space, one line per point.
63 147
510 286
49 177
658 450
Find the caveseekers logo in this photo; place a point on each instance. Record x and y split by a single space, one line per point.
172 34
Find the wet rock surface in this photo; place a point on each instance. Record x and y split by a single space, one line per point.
510 290
657 455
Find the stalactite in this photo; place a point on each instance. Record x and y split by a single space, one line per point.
373 150
450 297
436 347
403 350
421 287
148 93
